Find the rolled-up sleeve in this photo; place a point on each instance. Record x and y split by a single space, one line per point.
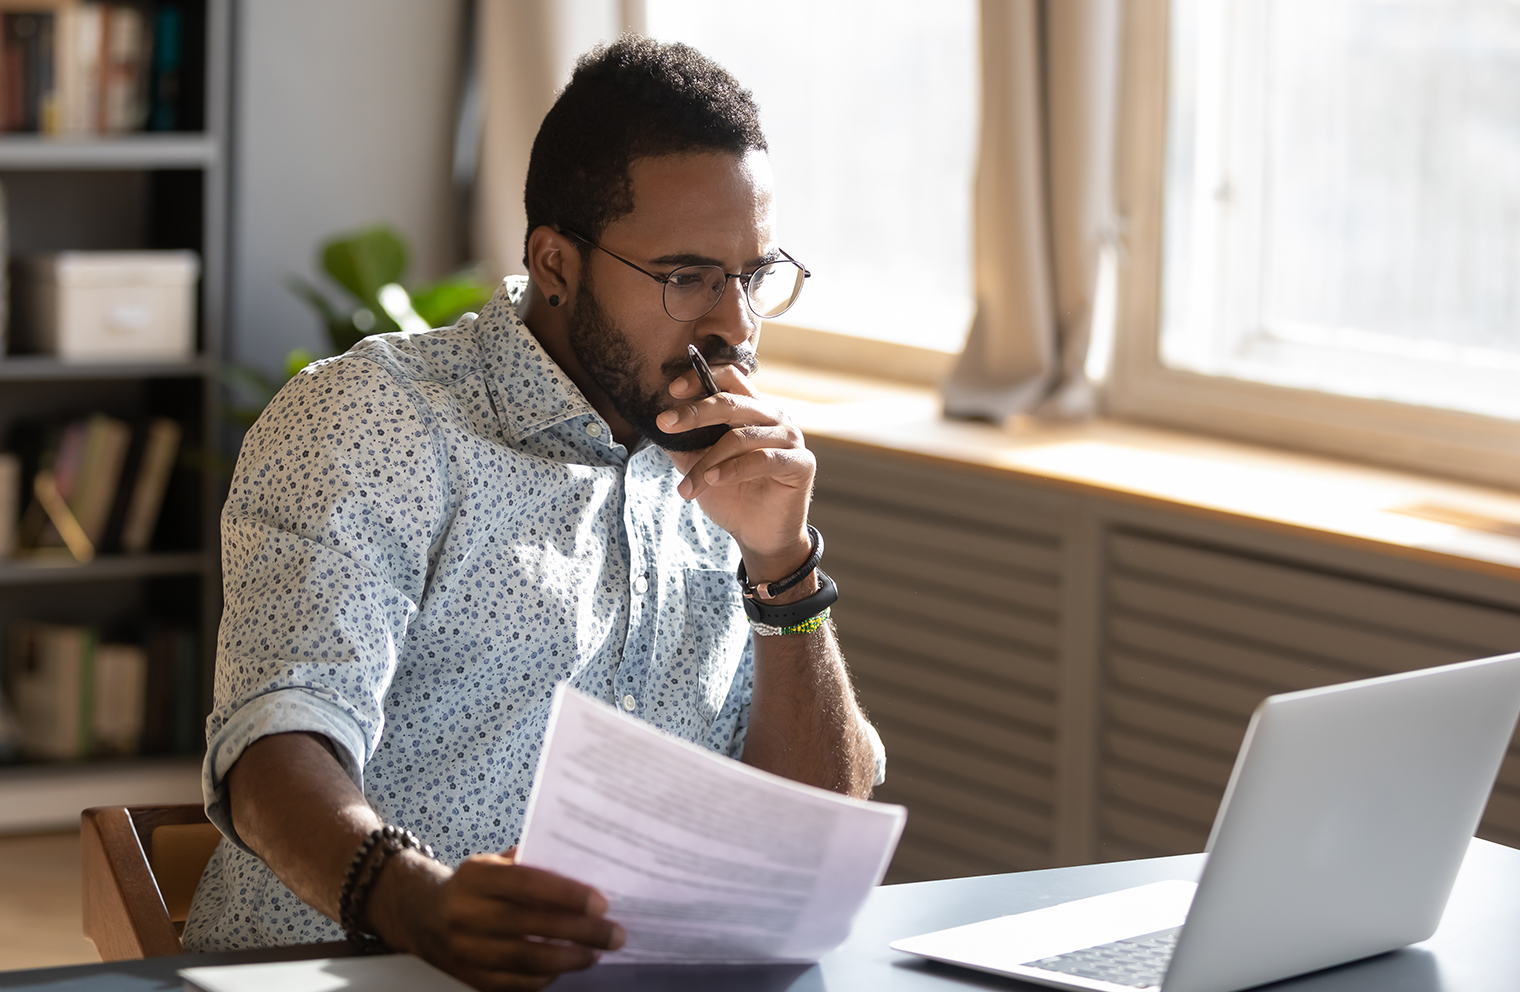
327 538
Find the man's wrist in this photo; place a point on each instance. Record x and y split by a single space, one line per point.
777 566
802 590
403 904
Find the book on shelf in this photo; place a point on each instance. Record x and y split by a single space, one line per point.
74 697
90 66
106 479
155 446
10 501
97 455
172 718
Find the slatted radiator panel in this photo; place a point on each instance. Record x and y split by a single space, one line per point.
949 616
1195 637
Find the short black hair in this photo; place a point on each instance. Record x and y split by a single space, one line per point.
632 99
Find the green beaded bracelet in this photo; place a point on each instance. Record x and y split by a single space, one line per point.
805 627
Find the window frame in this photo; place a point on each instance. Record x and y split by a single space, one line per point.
1140 387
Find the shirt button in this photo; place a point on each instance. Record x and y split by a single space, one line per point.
640 586
594 429
629 703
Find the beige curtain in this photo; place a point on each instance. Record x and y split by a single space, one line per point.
525 50
1044 206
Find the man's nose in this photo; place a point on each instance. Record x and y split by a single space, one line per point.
732 320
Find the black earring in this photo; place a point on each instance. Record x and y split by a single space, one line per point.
554 301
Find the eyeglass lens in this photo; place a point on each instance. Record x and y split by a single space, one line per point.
692 291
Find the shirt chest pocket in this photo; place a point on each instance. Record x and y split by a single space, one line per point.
713 639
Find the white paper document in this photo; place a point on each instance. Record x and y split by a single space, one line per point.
701 858
387 973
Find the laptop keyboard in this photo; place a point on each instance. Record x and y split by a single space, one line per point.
1139 962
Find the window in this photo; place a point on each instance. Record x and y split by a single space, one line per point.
1327 230
1343 198
871 114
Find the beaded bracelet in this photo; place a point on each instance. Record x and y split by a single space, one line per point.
360 881
805 627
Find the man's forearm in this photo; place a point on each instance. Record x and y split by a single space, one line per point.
294 805
492 923
804 723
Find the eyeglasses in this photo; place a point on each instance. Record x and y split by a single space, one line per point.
692 291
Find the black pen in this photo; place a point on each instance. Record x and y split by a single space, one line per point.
703 372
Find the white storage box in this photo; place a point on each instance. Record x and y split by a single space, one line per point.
105 305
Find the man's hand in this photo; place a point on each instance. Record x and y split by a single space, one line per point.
494 923
755 482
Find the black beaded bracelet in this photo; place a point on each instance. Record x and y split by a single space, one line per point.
360 881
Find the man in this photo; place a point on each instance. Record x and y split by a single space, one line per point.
426 535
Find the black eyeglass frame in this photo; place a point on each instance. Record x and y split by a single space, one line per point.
743 278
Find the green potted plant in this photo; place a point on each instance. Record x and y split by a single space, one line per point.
368 267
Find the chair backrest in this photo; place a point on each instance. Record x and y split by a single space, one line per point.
141 866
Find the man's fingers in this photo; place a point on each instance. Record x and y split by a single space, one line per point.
494 876
781 456
520 955
730 379
734 409
782 465
509 926
499 918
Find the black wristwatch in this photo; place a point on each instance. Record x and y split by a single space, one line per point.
790 615
774 618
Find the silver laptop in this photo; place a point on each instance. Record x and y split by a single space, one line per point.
1346 818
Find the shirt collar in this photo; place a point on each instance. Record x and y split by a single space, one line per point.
533 393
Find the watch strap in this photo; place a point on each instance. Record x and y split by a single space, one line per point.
760 612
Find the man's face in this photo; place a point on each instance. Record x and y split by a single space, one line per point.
710 208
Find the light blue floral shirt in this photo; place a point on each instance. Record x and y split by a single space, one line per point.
423 538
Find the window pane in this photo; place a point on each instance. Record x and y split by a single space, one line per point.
871 113
1344 197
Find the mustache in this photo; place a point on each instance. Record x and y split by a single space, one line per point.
720 354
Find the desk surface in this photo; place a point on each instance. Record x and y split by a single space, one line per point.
1475 950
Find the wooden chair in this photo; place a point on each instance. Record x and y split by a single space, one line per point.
141 866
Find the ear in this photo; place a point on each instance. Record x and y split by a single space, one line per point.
554 263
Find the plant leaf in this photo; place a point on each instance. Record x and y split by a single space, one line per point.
297 360
314 296
251 380
364 261
441 302
343 335
243 416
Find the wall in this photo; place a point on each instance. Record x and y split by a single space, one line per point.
343 116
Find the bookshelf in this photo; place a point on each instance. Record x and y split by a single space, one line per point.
127 192
135 151
14 573
40 368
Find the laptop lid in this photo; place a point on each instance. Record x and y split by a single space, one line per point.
1345 821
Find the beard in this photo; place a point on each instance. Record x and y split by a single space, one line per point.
609 358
